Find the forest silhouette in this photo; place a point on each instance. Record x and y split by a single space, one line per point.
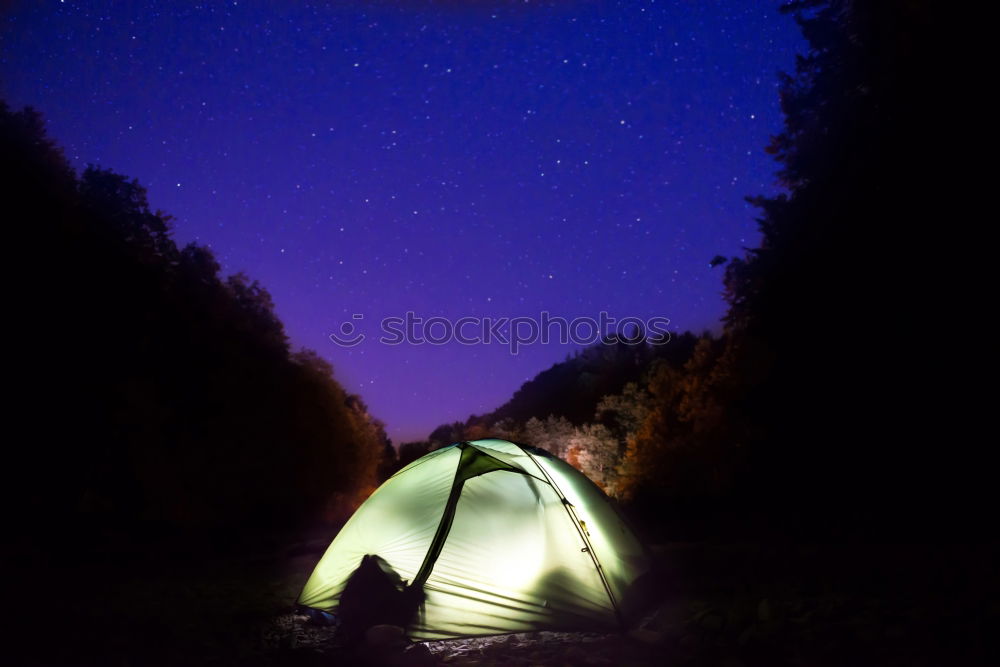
181 405
158 408
817 413
153 393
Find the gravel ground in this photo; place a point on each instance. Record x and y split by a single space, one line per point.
721 605
292 633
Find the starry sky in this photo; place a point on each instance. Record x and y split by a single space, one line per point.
452 158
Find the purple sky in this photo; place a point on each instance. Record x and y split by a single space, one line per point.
453 159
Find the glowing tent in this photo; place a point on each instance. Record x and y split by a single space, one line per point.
499 537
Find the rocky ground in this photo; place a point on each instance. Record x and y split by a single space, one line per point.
386 646
745 605
720 605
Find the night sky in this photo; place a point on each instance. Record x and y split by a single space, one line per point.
447 158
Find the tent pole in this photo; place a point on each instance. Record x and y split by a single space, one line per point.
444 526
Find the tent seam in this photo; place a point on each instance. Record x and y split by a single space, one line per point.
579 529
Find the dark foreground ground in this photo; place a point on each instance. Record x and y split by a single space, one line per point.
730 605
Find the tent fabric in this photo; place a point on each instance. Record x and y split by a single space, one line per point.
501 537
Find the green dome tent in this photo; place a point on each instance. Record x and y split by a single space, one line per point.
496 538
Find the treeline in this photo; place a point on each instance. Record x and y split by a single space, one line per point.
823 409
147 389
633 417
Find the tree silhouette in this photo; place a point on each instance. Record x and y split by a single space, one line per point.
824 312
157 392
